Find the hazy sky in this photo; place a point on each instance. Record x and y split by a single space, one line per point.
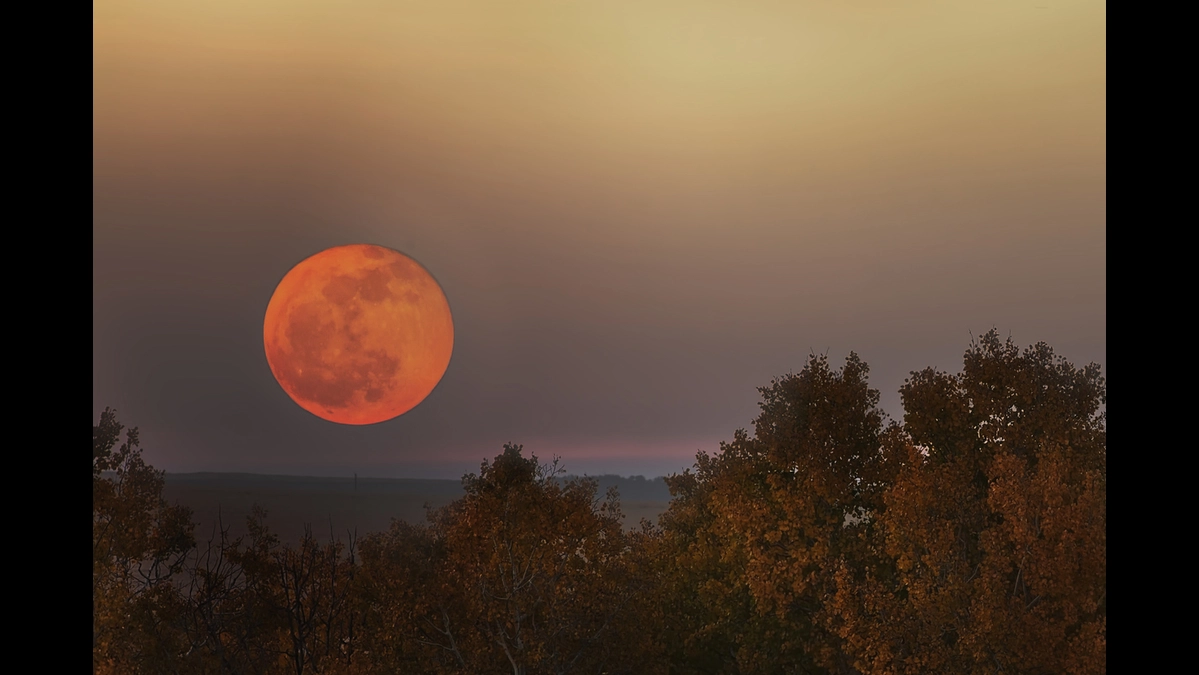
639 210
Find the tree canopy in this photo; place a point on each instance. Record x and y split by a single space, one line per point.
967 537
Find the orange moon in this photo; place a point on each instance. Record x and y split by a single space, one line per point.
358 334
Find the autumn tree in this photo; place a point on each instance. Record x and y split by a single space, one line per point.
139 544
996 523
971 538
522 575
760 529
710 620
411 611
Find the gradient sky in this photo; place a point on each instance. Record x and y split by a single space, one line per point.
639 210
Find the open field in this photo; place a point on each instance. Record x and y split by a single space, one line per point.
341 505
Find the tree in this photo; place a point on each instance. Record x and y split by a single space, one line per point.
298 600
760 529
969 539
139 543
996 523
712 623
253 605
522 575
407 603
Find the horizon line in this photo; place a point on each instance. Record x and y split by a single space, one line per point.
353 476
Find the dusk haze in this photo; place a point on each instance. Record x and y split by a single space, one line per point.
783 324
639 211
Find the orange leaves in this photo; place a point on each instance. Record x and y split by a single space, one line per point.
776 507
998 533
969 539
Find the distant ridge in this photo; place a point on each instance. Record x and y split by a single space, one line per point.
339 504
245 475
631 488
283 483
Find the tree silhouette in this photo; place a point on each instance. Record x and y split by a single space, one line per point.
139 543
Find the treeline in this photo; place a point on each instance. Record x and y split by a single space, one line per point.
968 538
631 488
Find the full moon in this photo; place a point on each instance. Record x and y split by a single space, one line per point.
358 334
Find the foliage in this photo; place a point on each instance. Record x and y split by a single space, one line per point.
996 523
138 543
763 525
969 538
522 575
